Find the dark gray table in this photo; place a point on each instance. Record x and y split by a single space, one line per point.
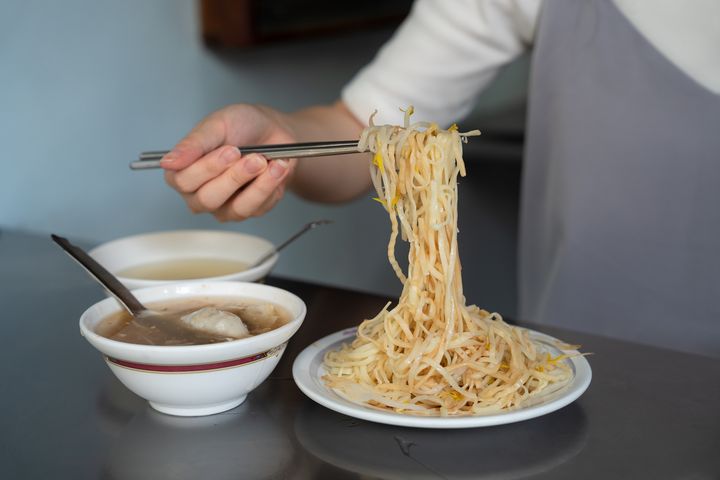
649 413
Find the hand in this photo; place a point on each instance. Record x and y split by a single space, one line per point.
212 175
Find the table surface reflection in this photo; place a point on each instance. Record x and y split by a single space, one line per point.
649 413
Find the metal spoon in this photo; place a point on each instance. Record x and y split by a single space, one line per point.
287 242
165 322
106 279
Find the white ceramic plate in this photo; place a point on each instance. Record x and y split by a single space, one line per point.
308 370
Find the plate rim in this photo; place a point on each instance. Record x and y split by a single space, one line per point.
314 389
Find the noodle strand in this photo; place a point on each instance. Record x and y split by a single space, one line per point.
432 354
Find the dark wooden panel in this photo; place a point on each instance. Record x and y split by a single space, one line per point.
242 23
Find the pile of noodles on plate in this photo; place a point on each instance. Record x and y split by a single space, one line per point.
431 354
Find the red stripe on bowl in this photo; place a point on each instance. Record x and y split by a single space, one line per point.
188 368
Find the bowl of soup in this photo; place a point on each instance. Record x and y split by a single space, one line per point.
158 258
209 346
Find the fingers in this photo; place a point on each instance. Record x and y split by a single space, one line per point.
258 197
213 194
215 163
232 125
204 138
212 175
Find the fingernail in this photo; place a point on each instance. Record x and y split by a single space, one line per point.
229 155
168 158
278 168
254 164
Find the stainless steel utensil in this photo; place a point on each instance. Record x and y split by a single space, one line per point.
148 160
105 278
287 242
141 314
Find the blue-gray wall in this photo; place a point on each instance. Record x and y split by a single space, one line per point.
85 85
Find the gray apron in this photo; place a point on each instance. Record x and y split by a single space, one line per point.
620 219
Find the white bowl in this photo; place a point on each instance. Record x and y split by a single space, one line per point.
196 380
136 250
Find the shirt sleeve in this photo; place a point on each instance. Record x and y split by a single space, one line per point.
441 58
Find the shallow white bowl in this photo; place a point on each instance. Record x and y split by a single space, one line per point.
136 250
197 379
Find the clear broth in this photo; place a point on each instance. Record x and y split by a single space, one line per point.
184 269
169 330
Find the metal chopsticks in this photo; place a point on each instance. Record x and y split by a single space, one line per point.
147 160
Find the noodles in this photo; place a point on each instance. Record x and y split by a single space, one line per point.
431 354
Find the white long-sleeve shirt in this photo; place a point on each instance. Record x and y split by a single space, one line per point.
447 51
619 222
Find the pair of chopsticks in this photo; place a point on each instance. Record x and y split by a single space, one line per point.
148 160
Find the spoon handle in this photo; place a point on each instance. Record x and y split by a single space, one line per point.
275 250
111 284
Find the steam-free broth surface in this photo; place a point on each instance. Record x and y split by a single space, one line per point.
184 269
170 329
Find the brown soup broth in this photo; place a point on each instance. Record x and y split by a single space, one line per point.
169 330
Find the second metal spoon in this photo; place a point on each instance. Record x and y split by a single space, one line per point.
287 242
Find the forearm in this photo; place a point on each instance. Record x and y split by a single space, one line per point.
328 179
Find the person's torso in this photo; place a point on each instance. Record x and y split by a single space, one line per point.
620 222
